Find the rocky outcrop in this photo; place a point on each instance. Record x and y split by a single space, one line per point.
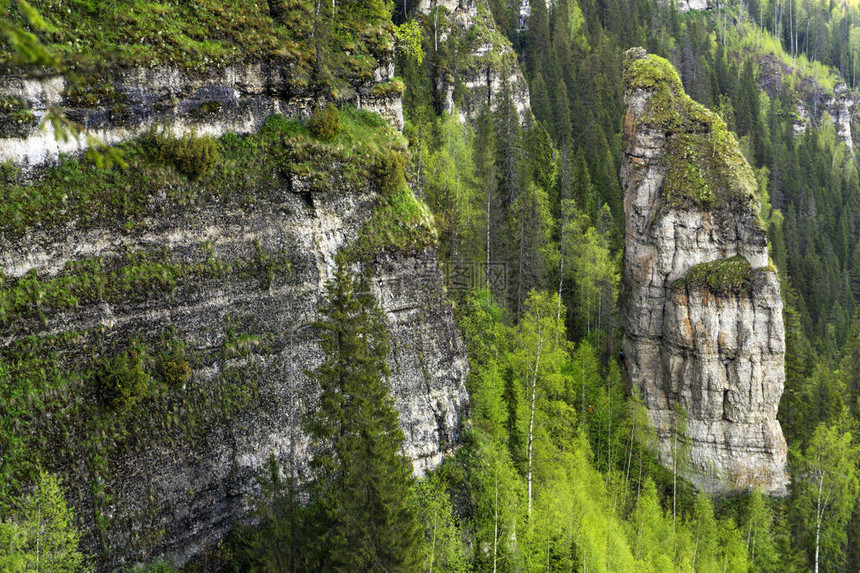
684 6
812 100
165 353
839 106
702 315
124 103
481 66
193 491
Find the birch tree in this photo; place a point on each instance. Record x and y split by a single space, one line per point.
537 362
828 486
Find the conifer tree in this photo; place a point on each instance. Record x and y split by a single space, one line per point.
361 491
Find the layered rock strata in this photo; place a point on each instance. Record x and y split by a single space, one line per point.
163 357
238 287
704 342
127 102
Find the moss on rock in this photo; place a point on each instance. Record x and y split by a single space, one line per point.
704 165
723 276
193 171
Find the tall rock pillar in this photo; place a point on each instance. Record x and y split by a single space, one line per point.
704 342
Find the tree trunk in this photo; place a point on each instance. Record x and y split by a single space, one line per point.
532 417
674 475
496 521
487 269
818 514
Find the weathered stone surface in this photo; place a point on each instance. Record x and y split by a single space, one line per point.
695 5
192 491
183 478
811 99
236 98
707 355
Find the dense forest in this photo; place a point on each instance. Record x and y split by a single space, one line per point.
557 467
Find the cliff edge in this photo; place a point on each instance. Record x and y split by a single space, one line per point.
157 323
704 342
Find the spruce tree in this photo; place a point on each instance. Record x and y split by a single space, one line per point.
361 492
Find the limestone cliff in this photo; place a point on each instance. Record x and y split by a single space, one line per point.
811 99
702 315
695 5
124 103
478 63
156 323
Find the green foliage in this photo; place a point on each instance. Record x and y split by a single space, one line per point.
390 174
722 277
595 499
325 122
450 187
826 493
400 221
364 518
24 47
40 535
704 166
122 379
173 364
409 36
232 170
342 42
137 274
191 155
443 548
277 542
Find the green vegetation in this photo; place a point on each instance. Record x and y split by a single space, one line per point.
361 491
61 408
122 379
360 515
720 277
135 276
336 44
41 535
400 221
192 171
557 469
704 165
325 122
191 155
173 364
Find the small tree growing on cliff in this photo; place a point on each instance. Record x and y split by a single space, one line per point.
360 497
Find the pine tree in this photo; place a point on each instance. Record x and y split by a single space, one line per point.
361 491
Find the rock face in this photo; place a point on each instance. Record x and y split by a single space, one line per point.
812 99
130 101
839 106
695 5
236 284
702 315
483 65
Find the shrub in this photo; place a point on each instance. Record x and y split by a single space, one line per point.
390 172
325 122
173 365
122 379
191 155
